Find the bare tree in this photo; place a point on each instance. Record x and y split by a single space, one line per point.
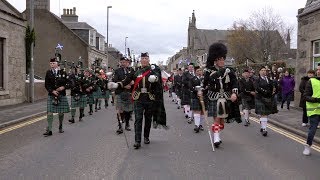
260 38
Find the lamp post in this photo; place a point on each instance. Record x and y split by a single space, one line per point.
31 75
108 26
125 46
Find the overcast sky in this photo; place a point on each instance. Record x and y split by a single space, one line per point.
160 26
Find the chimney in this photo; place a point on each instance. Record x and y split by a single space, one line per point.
39 4
70 15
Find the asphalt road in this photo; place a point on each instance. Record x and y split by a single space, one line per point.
92 150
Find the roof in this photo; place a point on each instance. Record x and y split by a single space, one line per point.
99 35
205 37
310 7
77 25
7 8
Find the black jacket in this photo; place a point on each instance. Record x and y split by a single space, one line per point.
120 75
263 88
309 92
302 87
53 82
195 81
245 87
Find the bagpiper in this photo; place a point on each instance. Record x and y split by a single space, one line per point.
124 105
221 85
186 91
56 83
89 90
178 86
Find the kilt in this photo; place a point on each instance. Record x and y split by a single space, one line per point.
178 92
90 99
212 108
265 107
124 104
82 102
98 94
247 103
62 107
232 109
186 97
106 95
195 105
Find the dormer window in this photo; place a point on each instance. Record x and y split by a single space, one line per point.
92 37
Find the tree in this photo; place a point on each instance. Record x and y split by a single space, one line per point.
29 39
260 38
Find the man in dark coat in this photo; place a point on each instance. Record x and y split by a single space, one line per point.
186 91
56 83
247 93
178 86
302 103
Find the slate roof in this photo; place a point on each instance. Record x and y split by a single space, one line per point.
309 8
77 25
205 37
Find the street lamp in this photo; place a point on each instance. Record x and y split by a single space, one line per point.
31 79
108 26
125 46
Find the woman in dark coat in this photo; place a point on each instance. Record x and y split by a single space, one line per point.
264 98
302 103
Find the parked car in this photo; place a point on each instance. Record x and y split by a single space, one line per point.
36 78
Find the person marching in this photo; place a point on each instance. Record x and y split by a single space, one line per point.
56 83
105 91
186 91
99 85
221 89
124 105
78 87
178 86
247 93
264 105
90 89
196 81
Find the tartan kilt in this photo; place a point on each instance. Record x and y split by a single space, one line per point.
98 94
232 109
106 95
90 99
212 108
122 105
264 108
186 97
62 107
82 102
195 105
178 92
247 103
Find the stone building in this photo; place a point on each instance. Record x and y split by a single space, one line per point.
12 55
114 56
199 41
77 38
308 41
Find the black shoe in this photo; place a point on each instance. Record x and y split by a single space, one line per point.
261 129
178 107
264 133
189 121
47 133
246 122
96 110
216 144
61 130
201 127
80 119
146 140
196 129
127 128
90 112
281 106
186 116
99 108
137 145
120 131
71 120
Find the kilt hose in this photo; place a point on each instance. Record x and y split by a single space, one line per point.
265 106
90 99
123 102
62 107
195 104
142 108
82 102
98 94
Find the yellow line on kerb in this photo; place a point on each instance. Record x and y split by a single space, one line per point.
288 134
22 124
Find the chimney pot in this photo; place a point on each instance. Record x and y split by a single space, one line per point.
64 11
71 13
67 11
74 10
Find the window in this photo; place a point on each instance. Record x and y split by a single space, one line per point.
1 63
101 44
316 53
92 37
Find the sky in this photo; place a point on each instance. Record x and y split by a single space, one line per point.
160 27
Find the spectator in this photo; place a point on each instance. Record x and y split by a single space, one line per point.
287 84
302 103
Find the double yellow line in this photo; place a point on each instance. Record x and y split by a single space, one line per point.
22 124
287 134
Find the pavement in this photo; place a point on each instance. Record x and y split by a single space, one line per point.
289 120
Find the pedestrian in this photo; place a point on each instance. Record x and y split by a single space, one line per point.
287 84
97 93
78 85
264 98
221 85
90 89
56 83
197 82
302 104
124 105
312 96
147 95
247 93
186 91
178 86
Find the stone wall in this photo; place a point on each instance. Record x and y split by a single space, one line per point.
308 31
93 54
13 31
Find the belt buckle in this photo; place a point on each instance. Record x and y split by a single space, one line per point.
143 90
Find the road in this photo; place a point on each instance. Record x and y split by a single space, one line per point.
92 150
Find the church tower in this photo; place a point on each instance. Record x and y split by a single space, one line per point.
191 33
